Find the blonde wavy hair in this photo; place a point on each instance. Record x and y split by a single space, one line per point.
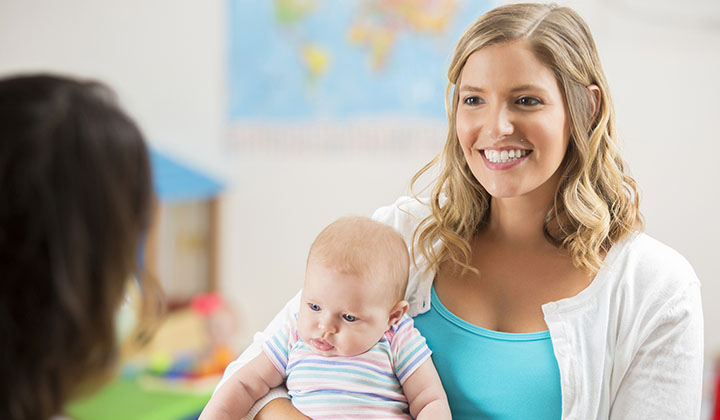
596 202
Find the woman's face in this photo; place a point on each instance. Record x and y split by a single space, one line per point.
511 120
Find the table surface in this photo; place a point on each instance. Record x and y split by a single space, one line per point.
126 399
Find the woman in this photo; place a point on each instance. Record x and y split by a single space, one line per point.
532 283
77 196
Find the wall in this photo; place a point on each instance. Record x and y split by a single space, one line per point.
166 59
662 63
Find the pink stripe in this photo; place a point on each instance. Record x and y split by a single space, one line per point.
309 387
357 416
379 360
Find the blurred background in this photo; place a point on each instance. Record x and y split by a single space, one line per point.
269 119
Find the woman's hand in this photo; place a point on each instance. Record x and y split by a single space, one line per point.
280 408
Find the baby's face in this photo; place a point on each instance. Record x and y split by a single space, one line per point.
342 314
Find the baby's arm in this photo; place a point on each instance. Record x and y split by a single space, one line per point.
425 393
238 394
255 349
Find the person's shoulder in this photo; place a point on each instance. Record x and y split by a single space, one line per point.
652 285
404 214
646 260
404 207
401 331
655 255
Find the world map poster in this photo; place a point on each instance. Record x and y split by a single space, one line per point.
335 74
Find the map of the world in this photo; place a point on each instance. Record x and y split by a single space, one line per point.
336 60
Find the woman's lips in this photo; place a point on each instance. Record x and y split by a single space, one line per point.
504 165
321 345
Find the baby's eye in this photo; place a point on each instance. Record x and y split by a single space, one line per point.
313 307
349 318
529 101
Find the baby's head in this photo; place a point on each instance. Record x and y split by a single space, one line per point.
355 280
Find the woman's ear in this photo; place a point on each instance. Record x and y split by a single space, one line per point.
397 312
595 100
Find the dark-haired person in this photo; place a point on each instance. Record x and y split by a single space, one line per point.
75 199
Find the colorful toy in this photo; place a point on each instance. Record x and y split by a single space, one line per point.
211 324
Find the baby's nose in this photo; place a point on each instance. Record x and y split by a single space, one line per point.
327 326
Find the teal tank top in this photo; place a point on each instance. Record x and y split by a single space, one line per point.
489 374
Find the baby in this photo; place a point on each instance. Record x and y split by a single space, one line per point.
350 350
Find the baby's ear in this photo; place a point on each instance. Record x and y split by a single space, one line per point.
397 312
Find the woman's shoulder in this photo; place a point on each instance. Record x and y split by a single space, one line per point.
653 255
404 214
651 264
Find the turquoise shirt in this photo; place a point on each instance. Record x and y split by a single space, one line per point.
489 374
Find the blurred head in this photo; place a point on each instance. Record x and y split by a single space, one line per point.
76 190
357 272
594 202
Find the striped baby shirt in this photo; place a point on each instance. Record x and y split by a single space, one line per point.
366 386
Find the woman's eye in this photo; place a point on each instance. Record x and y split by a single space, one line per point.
349 318
313 307
472 100
529 101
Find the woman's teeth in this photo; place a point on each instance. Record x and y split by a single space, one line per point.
496 156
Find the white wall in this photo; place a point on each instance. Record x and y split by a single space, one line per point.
662 63
167 61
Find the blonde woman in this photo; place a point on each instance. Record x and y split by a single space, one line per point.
538 294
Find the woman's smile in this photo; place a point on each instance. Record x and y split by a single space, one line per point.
498 159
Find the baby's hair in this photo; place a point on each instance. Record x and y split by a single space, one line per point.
362 246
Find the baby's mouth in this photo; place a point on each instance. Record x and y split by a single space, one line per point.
321 345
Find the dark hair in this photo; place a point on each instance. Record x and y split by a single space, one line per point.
75 199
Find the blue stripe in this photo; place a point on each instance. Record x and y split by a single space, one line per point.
280 338
327 362
419 345
307 400
383 377
403 322
343 381
278 358
357 394
421 358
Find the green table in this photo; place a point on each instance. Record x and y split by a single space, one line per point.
126 399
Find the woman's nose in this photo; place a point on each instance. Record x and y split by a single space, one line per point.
498 124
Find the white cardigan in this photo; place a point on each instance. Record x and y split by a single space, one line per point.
629 346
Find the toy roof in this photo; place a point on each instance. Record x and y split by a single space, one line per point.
175 181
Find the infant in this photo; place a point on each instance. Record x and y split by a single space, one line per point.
351 351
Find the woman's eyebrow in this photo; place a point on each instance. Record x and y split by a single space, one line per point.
527 87
521 88
471 88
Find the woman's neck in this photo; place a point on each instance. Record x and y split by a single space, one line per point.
519 221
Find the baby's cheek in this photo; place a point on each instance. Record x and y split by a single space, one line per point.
304 328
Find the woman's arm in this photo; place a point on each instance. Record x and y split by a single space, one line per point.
664 379
280 408
254 349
